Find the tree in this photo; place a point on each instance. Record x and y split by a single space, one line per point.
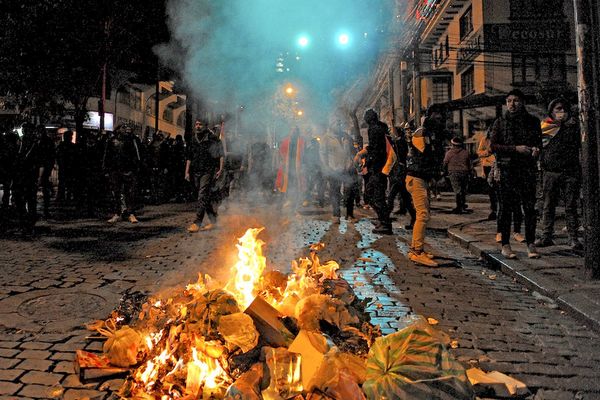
55 51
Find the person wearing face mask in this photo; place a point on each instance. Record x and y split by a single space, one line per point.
516 140
562 171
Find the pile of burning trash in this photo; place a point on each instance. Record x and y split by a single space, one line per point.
267 335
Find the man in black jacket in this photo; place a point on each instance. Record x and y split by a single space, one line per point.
204 163
561 170
516 140
376 158
122 161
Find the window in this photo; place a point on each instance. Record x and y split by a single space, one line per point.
530 69
467 81
168 114
466 23
440 90
447 46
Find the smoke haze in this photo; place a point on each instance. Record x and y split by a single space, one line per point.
227 50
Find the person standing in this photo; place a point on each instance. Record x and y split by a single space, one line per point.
48 158
204 164
378 167
314 173
516 141
122 161
561 170
28 175
290 176
8 156
338 167
457 162
420 169
487 159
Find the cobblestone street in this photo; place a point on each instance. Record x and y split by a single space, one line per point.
77 271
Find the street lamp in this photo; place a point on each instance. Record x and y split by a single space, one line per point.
303 41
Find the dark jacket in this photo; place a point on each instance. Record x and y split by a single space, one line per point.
122 153
512 130
377 149
561 154
457 159
204 153
419 164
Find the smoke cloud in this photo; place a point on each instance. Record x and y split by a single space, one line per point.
227 51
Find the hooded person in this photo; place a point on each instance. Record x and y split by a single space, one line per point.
457 162
379 161
561 169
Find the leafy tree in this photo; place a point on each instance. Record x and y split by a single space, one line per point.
54 51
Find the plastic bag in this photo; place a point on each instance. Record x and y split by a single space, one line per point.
247 386
122 345
336 380
414 364
317 307
238 329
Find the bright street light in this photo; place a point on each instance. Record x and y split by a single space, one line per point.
300 113
303 41
289 90
343 39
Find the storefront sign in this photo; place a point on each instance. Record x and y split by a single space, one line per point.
527 36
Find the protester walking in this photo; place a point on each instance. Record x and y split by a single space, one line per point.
205 161
122 162
457 162
379 166
338 168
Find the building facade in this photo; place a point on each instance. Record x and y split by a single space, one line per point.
467 54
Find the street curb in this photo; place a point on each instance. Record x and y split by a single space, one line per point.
575 306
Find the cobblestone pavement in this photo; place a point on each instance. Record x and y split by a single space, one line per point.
77 272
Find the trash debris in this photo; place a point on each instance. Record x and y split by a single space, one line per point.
502 385
414 363
122 346
432 321
238 329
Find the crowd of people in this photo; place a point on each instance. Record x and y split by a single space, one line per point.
112 174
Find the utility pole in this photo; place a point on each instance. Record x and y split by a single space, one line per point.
157 99
588 82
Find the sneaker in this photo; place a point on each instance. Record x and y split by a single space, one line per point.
366 207
544 242
532 251
507 252
115 218
519 237
133 219
492 216
207 227
498 237
457 210
305 203
351 218
438 197
383 230
193 228
335 220
421 258
575 244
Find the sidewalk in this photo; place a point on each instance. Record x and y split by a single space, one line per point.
558 276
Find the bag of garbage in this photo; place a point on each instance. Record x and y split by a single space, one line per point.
336 380
122 345
210 306
318 307
414 364
239 330
285 375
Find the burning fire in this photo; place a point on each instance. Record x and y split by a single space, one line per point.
184 351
